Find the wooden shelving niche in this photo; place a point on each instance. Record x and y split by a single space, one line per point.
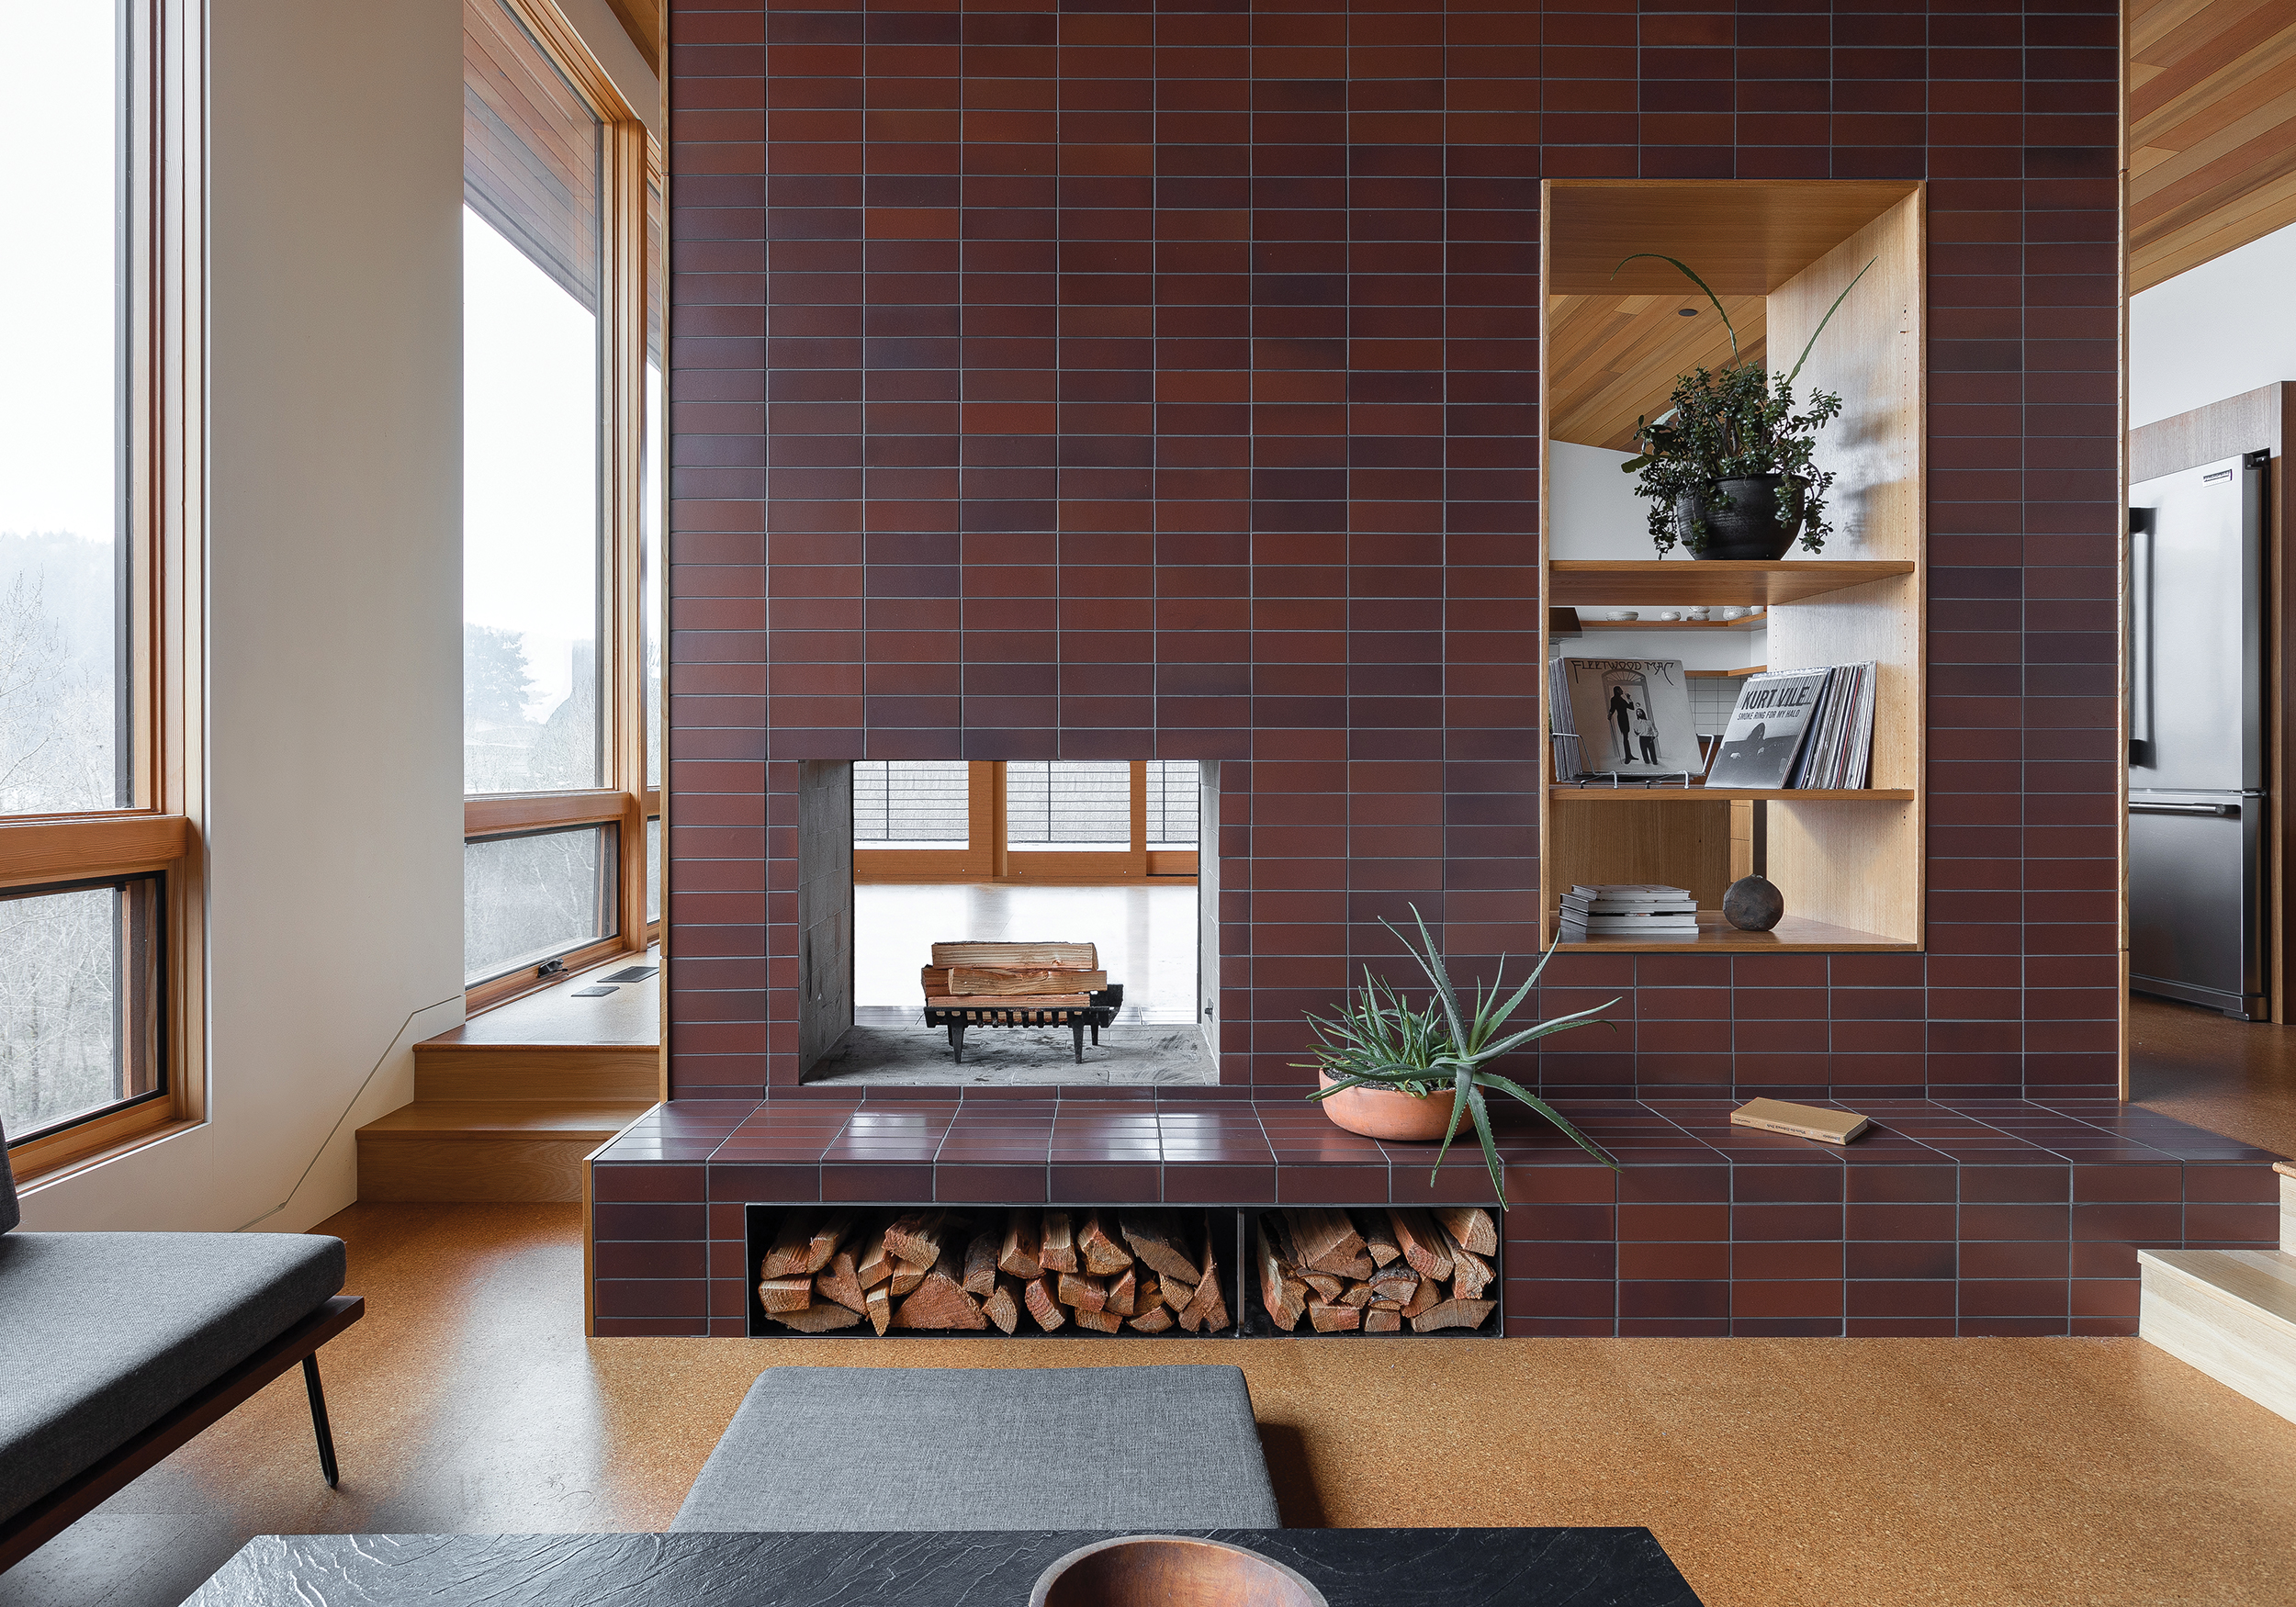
1849 863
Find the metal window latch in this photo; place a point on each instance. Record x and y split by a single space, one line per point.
550 968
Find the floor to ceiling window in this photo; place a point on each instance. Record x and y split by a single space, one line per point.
560 672
92 830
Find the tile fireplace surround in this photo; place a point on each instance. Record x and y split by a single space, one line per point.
2000 1217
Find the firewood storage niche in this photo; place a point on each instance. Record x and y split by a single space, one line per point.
1134 1272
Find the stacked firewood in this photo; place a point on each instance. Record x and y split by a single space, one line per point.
1372 1271
1143 1271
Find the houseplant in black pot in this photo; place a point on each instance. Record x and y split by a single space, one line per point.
1727 467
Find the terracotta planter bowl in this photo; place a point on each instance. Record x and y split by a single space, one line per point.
1171 1570
1386 1113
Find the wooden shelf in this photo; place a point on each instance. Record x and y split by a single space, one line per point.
1676 583
1752 622
1793 935
1602 792
1725 674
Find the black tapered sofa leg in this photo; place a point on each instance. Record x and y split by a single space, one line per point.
319 1418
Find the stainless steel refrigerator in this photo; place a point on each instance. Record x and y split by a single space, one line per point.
2197 702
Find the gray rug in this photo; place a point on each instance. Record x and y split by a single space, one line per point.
894 1047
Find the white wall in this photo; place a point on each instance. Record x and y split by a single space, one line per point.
1592 509
2216 331
333 778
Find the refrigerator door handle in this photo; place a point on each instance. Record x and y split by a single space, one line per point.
2213 811
2140 683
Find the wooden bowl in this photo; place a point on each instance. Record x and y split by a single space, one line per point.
1388 1113
1170 1570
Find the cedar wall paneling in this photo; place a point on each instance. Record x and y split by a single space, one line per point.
1110 382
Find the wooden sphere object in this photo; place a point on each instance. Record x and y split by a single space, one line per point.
1171 1570
1753 904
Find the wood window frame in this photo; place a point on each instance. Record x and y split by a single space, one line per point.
987 858
629 158
159 831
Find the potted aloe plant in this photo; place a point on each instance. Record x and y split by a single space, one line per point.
1390 1070
1729 466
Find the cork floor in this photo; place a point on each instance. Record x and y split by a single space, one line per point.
1778 1473
2238 1078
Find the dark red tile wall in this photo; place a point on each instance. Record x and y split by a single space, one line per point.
1100 381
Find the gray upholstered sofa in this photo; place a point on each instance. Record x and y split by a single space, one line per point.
946 1448
119 1347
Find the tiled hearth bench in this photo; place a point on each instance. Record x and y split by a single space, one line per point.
2005 1217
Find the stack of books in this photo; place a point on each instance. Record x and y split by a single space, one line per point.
1629 910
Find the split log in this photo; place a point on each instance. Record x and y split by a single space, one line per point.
876 1265
1452 1314
1024 1231
1471 1226
980 1264
785 1294
1175 1294
1397 1282
1148 1294
940 1300
1026 956
1325 1285
1273 1222
904 1280
1284 1295
1357 1294
1084 1293
1471 1273
840 1283
1155 1319
1036 1293
1104 1258
1015 982
1379 1239
1208 1309
818 1319
1395 1306
1378 1321
805 1243
1003 1305
916 1237
1157 1239
880 1303
1326 1241
1104 1321
790 1242
1331 1319
1421 1239
1058 1251
1124 1292
1428 1292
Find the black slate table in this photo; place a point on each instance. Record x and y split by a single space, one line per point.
1352 1568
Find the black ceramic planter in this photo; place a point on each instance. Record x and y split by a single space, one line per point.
1755 517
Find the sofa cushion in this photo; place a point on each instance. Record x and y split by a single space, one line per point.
916 1448
103 1334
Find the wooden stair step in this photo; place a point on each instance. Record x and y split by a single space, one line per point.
2231 1313
479 1150
596 1074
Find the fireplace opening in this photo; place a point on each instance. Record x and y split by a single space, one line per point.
1020 922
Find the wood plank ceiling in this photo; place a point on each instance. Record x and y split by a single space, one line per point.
1614 344
2211 118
